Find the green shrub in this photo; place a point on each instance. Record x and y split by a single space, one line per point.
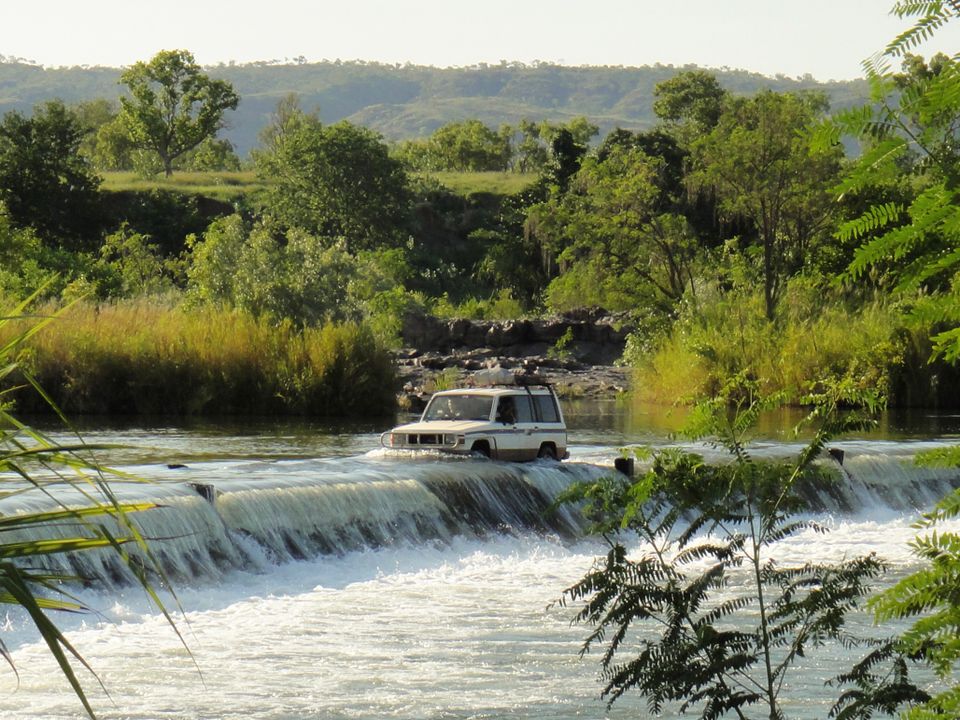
502 306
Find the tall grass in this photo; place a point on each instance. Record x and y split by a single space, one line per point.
872 348
150 357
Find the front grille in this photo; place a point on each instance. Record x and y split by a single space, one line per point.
425 439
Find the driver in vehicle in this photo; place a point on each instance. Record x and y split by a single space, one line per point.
507 411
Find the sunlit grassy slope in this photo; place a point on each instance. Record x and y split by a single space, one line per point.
221 185
230 185
498 183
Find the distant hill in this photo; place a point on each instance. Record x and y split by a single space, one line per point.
410 101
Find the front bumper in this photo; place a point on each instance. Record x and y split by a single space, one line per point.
448 442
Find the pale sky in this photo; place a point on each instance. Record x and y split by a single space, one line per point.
825 38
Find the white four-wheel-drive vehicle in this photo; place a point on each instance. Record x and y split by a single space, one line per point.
516 422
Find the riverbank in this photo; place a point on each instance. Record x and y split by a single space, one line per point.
575 351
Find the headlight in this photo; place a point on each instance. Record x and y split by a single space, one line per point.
449 439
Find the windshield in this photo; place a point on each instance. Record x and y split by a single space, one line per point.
459 407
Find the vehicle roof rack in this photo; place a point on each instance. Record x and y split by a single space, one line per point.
532 380
501 377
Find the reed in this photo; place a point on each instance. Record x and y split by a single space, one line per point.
153 357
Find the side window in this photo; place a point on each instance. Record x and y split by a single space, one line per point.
524 409
507 410
547 408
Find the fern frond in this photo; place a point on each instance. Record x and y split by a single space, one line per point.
876 69
875 217
935 17
925 269
947 508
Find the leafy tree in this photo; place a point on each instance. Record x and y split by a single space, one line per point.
213 155
581 129
173 106
607 231
336 182
531 151
468 146
705 618
764 168
92 116
45 183
131 264
693 97
287 118
565 159
539 144
655 144
111 148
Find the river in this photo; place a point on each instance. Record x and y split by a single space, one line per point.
328 579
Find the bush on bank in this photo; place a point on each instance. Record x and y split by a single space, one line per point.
148 357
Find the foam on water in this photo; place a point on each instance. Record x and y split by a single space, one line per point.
437 631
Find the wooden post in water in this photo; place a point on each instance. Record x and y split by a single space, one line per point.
205 490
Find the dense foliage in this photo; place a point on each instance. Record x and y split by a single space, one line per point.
45 182
732 225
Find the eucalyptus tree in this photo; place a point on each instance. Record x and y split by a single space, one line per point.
762 167
173 105
611 238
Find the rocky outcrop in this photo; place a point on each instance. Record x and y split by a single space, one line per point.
587 336
575 351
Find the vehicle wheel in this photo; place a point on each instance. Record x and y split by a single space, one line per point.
547 452
482 447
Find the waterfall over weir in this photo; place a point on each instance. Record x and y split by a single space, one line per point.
217 517
214 518
862 482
